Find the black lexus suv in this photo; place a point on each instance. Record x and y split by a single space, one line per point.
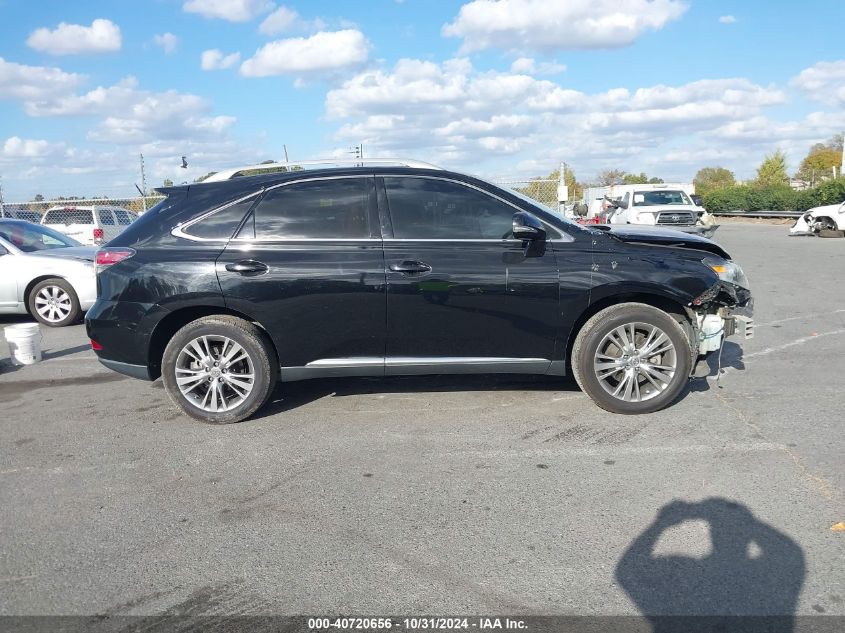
226 287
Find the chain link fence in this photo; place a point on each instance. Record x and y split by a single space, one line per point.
540 189
34 210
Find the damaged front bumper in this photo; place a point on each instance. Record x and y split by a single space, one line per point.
724 310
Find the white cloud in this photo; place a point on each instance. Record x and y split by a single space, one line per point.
824 82
452 113
727 19
215 59
231 10
529 66
34 83
103 36
167 41
281 20
16 147
322 52
559 24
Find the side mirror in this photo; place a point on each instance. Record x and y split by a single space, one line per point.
527 227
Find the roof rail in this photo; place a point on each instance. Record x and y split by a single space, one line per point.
228 174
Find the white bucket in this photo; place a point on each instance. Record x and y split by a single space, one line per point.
24 343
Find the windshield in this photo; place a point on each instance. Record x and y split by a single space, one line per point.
32 237
657 198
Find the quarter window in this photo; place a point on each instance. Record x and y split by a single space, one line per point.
426 208
220 225
317 209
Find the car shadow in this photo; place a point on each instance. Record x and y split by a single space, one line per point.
749 581
292 395
65 352
731 359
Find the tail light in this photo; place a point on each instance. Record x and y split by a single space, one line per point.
95 345
107 256
98 235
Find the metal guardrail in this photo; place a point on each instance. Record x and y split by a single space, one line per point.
760 214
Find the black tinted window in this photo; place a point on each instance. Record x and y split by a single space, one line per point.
335 208
221 225
423 208
122 217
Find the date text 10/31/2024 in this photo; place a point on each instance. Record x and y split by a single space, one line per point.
417 624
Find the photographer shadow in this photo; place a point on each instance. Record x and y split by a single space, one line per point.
749 581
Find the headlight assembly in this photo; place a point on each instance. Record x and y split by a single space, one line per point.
727 271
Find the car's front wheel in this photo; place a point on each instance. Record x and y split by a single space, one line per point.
53 302
632 358
219 369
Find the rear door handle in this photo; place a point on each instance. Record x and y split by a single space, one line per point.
410 266
247 266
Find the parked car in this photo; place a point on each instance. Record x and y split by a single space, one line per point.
228 285
21 214
44 273
89 224
825 221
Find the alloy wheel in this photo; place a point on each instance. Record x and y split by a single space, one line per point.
635 362
214 373
53 304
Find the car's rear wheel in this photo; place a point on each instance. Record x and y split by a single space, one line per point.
219 369
632 358
53 302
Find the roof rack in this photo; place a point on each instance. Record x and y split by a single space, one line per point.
228 174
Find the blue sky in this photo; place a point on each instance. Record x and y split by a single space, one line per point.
503 88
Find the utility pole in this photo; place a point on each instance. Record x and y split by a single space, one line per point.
143 184
286 153
358 151
2 204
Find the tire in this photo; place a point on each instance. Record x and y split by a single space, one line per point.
831 233
54 303
195 356
651 389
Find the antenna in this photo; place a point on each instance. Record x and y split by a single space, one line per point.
143 184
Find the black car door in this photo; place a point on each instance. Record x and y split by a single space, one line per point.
462 294
308 266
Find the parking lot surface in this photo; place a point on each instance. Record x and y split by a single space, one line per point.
437 495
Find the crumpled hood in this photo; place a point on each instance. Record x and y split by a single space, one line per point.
85 253
635 234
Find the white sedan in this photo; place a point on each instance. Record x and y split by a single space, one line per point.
44 273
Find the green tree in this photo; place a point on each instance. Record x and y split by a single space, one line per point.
611 177
711 178
38 198
634 179
819 162
772 171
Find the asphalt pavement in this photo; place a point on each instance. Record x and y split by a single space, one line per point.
438 495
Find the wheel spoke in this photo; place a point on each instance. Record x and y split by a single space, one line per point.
225 390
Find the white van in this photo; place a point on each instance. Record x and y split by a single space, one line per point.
88 224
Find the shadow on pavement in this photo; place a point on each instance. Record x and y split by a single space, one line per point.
289 396
751 570
731 359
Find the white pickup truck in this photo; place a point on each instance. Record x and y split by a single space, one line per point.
663 205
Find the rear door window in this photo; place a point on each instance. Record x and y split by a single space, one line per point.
317 209
122 217
69 216
106 217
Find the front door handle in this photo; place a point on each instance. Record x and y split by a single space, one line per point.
246 267
410 266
